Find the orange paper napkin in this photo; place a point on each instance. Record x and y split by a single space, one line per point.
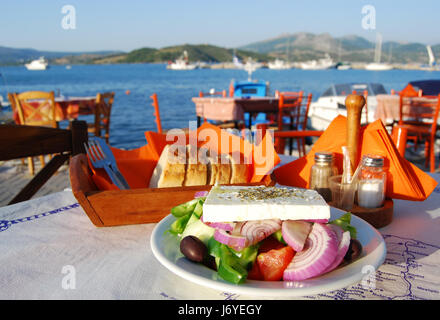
405 180
137 165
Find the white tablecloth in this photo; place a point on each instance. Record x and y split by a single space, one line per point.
50 250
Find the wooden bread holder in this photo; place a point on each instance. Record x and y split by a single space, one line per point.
107 208
377 217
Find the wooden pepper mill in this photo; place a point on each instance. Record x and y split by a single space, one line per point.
354 104
378 217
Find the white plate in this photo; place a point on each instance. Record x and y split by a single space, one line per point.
166 249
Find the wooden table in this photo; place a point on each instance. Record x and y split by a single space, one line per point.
233 109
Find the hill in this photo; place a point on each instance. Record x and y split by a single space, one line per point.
203 52
16 56
305 46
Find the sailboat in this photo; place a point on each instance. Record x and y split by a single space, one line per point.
377 65
432 66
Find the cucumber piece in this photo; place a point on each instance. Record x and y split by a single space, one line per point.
184 208
199 230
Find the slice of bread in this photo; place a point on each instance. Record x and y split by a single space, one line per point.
239 169
170 169
189 166
213 167
196 169
224 170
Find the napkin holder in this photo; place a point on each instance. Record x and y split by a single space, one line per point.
125 207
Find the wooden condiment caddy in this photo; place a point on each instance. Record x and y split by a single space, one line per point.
377 217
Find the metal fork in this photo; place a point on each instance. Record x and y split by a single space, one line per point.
99 161
107 153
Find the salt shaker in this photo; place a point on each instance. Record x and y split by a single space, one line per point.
321 171
372 182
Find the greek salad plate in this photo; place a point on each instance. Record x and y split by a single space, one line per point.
166 249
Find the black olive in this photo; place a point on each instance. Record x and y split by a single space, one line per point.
209 261
193 249
354 250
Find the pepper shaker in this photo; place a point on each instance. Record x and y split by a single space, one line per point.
320 173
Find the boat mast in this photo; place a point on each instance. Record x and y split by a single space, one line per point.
430 55
378 51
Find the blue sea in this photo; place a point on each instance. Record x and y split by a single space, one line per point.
132 113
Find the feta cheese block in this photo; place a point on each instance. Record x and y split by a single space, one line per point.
244 203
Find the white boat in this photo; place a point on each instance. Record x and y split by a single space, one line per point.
343 66
38 64
332 103
377 65
182 63
320 64
278 64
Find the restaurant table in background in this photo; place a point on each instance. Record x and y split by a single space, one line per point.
233 109
51 250
388 107
69 108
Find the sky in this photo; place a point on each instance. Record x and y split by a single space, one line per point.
95 25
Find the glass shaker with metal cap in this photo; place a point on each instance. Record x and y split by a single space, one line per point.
321 171
372 182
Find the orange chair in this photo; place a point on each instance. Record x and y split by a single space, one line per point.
418 115
103 109
35 108
155 104
293 107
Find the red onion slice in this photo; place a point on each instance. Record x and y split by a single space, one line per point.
257 230
227 226
295 233
200 194
344 244
319 252
224 237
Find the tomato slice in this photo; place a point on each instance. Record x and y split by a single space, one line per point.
272 263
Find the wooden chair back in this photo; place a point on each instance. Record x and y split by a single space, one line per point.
103 109
295 106
289 106
419 116
11 98
20 141
419 111
36 108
